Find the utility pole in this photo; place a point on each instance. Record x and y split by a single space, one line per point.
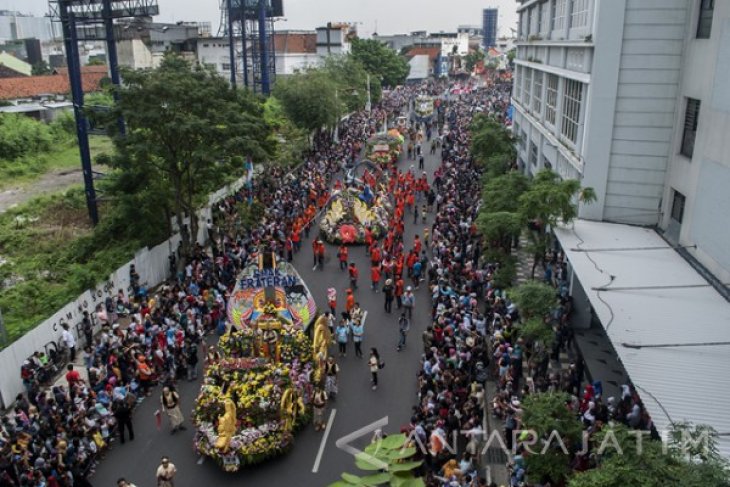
368 107
263 33
329 48
111 49
231 46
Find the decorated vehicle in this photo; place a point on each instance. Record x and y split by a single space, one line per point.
255 398
424 107
385 148
363 205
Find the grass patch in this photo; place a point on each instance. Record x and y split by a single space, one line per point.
29 168
49 255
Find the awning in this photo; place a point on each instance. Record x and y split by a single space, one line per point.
657 298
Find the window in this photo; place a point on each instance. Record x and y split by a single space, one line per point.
537 93
533 153
527 88
572 96
226 66
559 14
523 138
551 98
517 87
579 13
677 206
546 164
545 18
516 129
704 23
535 20
691 118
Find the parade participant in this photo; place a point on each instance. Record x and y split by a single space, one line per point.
408 302
342 256
342 332
331 372
375 276
166 473
319 403
404 325
332 300
353 273
357 328
170 401
374 364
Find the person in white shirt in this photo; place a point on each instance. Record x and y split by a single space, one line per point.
69 341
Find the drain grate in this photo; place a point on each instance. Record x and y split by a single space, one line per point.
496 456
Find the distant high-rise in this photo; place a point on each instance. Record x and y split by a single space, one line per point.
489 26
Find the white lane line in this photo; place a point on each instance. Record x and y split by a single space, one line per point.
315 469
364 317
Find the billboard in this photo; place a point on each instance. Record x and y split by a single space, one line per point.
249 8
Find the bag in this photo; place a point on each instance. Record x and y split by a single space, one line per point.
381 365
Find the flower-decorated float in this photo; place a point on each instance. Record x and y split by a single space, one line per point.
255 398
385 148
424 107
364 204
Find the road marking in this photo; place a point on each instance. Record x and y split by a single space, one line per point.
322 444
364 317
201 460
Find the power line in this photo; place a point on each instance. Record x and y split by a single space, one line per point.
675 345
631 249
634 288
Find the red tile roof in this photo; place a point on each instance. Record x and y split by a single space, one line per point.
431 52
55 84
295 43
84 70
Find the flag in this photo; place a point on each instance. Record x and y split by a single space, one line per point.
158 419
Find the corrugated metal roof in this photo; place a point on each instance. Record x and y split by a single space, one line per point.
676 383
420 67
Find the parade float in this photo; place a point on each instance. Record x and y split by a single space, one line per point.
385 149
363 204
258 394
424 107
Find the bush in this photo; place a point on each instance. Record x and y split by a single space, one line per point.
20 135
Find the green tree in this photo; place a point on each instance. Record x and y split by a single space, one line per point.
352 82
500 228
40 68
502 193
378 59
390 460
292 141
492 145
472 58
188 131
546 413
534 299
310 99
21 135
620 462
551 200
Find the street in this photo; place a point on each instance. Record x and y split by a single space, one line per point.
312 462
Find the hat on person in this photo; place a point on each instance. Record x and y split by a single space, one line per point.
409 288
388 282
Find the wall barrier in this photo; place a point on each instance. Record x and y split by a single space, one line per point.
153 267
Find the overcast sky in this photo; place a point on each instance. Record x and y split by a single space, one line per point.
391 16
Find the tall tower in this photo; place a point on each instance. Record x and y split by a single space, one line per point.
489 26
249 26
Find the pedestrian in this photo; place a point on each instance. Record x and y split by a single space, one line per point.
88 329
342 255
375 276
122 482
170 400
415 214
374 364
123 413
357 328
191 357
350 301
166 473
319 403
332 300
69 341
388 293
408 301
421 161
404 325
354 273
331 370
342 332
399 292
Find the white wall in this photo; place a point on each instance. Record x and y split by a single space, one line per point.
153 267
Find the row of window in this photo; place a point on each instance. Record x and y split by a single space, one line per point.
555 15
536 90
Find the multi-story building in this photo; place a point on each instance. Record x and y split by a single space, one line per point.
489 27
335 38
15 25
609 92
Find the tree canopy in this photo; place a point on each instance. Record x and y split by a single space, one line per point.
378 59
310 99
188 132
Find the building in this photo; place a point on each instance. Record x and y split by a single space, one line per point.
142 45
335 38
401 42
295 51
12 67
15 25
631 98
489 27
657 159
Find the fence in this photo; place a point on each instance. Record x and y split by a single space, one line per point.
153 267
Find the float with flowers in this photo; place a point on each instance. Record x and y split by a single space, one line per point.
255 398
424 107
385 148
354 210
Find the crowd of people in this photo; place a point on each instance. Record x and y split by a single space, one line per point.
56 434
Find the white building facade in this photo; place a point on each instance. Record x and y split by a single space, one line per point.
631 98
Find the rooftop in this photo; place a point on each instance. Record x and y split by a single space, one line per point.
55 84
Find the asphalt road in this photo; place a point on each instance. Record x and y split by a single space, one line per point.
356 405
